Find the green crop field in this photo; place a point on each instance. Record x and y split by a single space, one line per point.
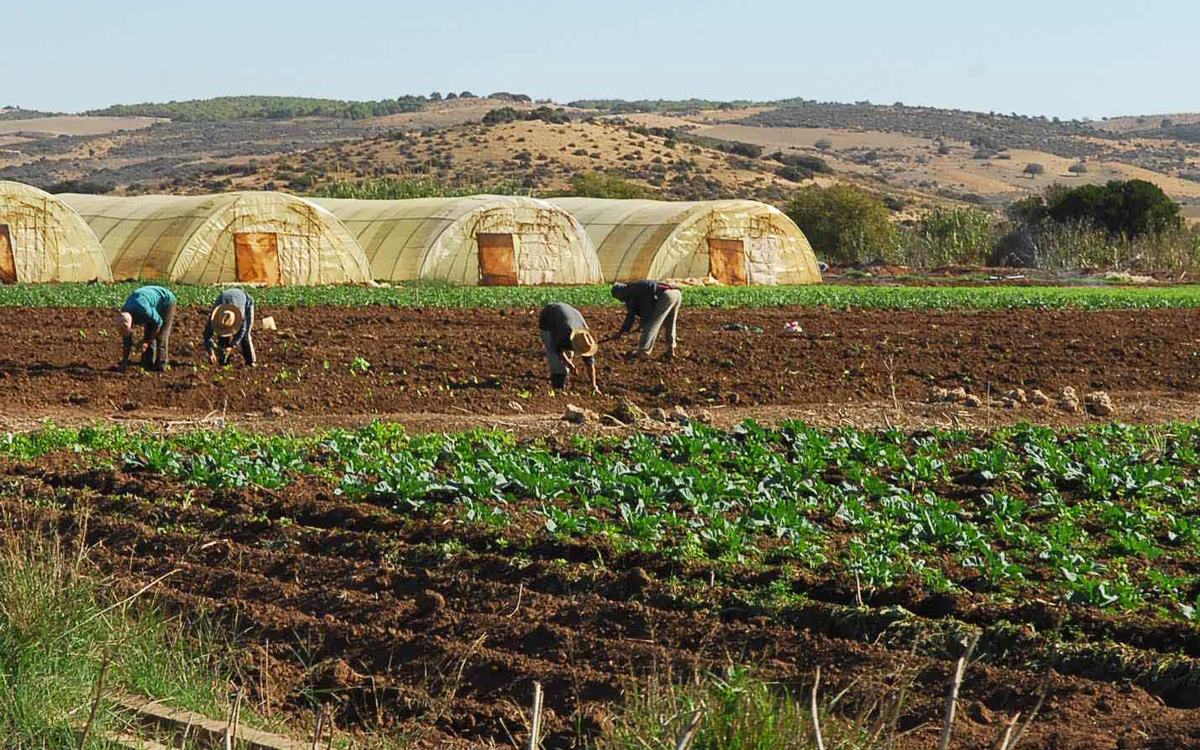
1106 518
424 294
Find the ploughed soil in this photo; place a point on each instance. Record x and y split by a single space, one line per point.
327 363
414 622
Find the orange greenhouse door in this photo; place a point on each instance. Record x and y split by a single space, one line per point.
257 257
8 265
727 261
497 260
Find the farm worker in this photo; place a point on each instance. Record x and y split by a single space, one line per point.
564 334
229 324
153 308
657 305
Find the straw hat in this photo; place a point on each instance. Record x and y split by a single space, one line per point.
226 320
583 342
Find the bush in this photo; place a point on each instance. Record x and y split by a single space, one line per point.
600 185
824 144
750 150
1034 169
842 222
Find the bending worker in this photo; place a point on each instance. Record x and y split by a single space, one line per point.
564 334
657 305
153 308
229 324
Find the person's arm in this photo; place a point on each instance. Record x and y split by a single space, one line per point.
126 350
627 326
209 346
590 362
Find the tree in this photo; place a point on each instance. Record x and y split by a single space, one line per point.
1034 169
842 222
824 144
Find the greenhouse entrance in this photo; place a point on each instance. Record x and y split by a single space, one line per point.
727 261
497 260
8 265
257 257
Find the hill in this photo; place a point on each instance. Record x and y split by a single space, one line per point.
691 148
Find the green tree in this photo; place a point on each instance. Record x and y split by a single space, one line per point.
842 222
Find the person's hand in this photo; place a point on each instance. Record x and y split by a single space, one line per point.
212 358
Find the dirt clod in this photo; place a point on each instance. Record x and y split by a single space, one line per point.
1017 395
430 602
1038 398
1099 404
628 412
637 581
971 401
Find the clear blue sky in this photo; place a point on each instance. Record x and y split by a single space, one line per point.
1068 58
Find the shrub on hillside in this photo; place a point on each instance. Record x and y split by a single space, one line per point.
1034 169
842 222
600 185
749 150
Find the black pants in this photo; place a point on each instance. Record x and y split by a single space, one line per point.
157 356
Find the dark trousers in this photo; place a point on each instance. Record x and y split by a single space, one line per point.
158 355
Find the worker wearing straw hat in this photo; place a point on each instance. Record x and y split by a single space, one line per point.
564 334
229 324
153 308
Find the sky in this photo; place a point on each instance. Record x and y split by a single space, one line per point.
1065 58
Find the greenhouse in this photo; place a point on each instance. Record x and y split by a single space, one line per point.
481 240
43 239
248 237
734 242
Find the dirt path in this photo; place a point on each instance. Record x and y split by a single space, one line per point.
487 363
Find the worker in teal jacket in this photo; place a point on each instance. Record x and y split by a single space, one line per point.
152 308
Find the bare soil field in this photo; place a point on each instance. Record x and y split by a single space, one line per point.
76 125
325 362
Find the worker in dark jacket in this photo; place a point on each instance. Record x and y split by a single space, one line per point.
657 306
230 323
564 334
153 308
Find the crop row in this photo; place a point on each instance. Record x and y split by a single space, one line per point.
424 294
1104 518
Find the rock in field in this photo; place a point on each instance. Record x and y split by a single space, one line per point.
576 415
680 415
1039 398
1099 404
1017 395
971 401
1068 401
659 414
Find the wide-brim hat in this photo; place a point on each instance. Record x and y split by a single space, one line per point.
584 343
226 319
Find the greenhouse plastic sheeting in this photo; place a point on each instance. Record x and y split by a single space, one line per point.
438 238
639 239
48 240
195 239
